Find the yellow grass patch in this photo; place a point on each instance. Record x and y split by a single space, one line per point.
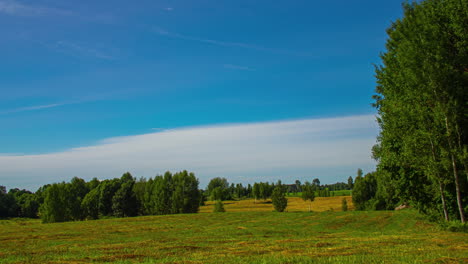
295 204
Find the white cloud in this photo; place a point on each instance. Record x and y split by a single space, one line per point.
240 152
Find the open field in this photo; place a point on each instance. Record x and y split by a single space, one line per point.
332 193
295 204
256 236
341 192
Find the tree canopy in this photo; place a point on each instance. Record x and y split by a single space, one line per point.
422 96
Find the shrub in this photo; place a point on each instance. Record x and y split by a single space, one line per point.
455 226
344 205
219 207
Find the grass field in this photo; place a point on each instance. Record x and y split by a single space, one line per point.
332 193
256 235
295 204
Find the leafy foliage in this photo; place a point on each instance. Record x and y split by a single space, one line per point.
344 205
124 202
54 208
278 198
90 204
218 189
219 207
308 192
421 99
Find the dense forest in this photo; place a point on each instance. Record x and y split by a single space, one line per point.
422 103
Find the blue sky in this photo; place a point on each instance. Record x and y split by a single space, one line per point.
77 74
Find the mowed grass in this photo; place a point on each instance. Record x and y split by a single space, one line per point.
332 193
295 204
253 236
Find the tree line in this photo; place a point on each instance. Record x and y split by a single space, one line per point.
127 196
219 189
322 190
422 103
119 197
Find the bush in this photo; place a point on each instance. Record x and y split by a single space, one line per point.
219 207
344 205
455 226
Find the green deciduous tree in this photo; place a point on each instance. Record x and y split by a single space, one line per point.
107 190
76 191
90 204
8 206
124 201
278 198
308 193
186 196
26 203
350 183
54 208
344 204
139 188
364 190
256 192
93 183
172 194
160 199
298 186
222 186
316 183
421 99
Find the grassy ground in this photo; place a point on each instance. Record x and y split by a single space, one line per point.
341 192
255 236
332 193
295 204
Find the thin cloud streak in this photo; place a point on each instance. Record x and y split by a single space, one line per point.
47 106
14 8
237 67
233 150
75 49
31 108
17 9
163 32
80 50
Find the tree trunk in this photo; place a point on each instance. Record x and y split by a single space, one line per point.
457 188
460 146
444 205
441 187
455 174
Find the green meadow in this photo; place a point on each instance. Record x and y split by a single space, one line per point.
332 193
236 237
